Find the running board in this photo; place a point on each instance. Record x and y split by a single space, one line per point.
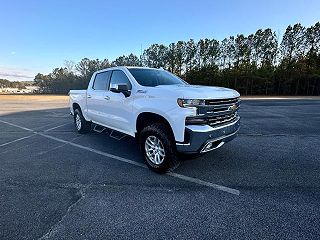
113 134
117 135
98 128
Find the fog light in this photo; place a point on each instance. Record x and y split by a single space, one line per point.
209 145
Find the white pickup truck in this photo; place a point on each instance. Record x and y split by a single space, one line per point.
163 112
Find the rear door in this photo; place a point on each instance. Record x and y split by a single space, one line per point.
96 97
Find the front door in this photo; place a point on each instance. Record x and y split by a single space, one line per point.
119 108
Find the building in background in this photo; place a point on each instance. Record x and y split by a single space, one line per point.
27 89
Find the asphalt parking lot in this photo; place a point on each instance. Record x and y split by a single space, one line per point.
58 184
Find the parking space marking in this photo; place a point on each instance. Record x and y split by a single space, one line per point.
17 140
56 127
125 160
204 183
26 146
95 151
46 125
14 125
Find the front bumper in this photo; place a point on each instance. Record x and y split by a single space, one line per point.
203 138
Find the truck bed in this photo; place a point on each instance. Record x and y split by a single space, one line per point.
79 97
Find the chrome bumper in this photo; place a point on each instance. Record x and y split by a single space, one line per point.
203 138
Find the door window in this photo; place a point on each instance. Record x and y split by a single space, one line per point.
119 77
101 80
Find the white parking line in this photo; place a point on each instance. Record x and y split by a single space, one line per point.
56 127
95 151
208 184
17 140
14 125
121 159
44 126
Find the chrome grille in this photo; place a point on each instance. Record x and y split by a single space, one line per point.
218 102
216 112
222 114
222 120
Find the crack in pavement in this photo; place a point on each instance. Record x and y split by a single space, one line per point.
81 193
53 229
100 185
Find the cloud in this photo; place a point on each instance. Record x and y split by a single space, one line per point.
16 74
13 53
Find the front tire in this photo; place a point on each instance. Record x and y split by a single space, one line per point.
82 126
158 147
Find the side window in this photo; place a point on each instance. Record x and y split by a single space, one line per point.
119 77
101 81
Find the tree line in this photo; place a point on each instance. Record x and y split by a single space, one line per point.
4 83
257 64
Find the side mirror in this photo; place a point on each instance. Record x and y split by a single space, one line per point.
121 88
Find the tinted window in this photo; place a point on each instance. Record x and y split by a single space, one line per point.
154 77
119 77
101 81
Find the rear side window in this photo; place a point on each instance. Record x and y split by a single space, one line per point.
119 77
101 81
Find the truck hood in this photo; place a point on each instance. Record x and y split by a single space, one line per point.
200 92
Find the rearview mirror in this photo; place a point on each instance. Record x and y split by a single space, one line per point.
121 88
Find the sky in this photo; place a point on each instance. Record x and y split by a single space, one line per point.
39 35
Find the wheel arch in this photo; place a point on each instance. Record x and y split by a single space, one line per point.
147 118
76 106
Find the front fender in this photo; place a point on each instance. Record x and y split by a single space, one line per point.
175 117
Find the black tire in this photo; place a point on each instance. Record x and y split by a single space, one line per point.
161 132
84 126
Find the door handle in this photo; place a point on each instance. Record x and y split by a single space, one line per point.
107 98
89 96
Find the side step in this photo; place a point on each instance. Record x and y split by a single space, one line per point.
113 134
117 135
98 128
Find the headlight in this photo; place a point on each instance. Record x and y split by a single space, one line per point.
190 102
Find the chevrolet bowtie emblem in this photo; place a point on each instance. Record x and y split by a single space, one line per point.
233 108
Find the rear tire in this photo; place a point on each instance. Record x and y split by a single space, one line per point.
82 126
158 147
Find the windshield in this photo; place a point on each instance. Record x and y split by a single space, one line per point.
154 77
